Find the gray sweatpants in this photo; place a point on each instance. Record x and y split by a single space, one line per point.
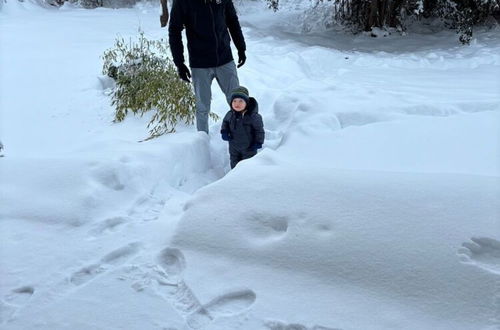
226 77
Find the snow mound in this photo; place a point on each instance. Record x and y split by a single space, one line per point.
386 233
415 143
80 189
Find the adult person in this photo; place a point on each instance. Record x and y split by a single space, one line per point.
210 26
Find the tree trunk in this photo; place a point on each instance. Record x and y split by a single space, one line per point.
372 15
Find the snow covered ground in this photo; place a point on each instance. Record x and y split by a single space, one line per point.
375 203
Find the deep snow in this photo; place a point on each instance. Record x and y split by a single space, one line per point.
374 204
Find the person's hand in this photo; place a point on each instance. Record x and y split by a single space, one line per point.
241 58
164 19
184 73
225 136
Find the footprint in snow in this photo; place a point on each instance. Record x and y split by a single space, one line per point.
266 228
172 264
182 298
114 258
231 303
483 252
16 299
108 225
149 206
20 295
108 177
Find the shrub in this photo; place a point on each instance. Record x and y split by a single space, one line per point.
147 80
364 15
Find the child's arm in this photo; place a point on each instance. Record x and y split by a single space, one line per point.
258 128
224 129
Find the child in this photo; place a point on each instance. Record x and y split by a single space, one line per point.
242 126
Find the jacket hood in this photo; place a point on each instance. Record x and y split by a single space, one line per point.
252 107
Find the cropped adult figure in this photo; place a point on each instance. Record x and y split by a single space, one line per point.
210 26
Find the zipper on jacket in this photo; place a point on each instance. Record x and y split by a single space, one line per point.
215 35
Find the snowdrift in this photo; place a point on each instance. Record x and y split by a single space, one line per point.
400 236
76 190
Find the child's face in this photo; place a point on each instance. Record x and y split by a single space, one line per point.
238 104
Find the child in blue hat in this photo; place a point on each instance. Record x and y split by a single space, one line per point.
242 126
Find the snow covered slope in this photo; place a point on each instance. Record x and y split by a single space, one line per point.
375 203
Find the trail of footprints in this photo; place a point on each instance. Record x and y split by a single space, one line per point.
168 277
183 300
146 208
112 259
23 296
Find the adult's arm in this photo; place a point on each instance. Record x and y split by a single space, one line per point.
164 13
175 32
233 24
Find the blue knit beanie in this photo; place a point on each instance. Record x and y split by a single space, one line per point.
240 92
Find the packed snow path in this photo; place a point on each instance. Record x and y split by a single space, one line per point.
373 205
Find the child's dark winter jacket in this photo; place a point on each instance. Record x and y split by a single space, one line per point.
244 131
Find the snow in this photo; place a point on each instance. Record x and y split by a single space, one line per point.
373 205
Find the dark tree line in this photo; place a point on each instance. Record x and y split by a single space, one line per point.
95 3
363 15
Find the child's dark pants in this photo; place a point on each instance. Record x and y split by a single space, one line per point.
236 155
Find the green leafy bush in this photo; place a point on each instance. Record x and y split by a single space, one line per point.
147 80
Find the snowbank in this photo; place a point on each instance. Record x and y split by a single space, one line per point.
77 190
392 234
412 143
